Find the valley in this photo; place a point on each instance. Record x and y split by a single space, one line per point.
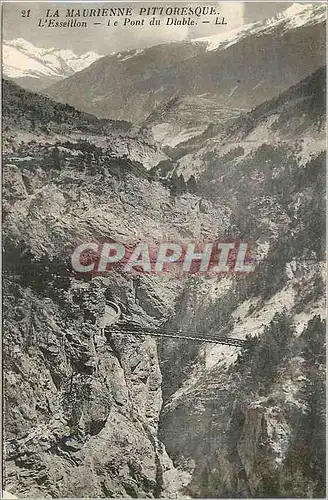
215 153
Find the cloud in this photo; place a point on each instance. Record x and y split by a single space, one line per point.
103 39
141 37
234 16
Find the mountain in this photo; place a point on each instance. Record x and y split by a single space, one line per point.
183 117
239 70
125 80
35 68
30 117
294 116
135 416
295 16
236 421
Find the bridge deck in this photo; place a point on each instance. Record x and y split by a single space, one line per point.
198 337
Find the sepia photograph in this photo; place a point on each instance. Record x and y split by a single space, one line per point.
164 249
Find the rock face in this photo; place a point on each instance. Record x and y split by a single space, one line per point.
236 420
87 407
114 414
76 400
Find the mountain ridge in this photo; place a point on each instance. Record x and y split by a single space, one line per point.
232 75
36 68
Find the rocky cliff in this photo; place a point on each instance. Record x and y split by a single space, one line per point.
82 410
109 414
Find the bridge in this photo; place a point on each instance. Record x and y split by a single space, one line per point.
174 334
110 323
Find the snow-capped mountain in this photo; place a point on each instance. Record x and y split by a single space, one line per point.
295 16
36 67
236 69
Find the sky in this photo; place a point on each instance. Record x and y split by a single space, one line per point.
105 40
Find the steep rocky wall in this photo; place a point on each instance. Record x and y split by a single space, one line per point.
81 409
226 422
116 415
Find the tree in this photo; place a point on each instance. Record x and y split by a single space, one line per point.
191 184
55 156
177 184
307 456
314 338
261 356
